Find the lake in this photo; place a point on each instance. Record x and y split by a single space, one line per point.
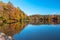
39 32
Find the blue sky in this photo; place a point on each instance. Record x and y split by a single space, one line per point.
43 7
31 7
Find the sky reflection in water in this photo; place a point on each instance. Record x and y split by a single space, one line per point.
39 32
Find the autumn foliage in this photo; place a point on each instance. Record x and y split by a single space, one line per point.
9 12
11 19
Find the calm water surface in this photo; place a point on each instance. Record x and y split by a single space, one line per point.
39 32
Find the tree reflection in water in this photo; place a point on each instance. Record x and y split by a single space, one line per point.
13 28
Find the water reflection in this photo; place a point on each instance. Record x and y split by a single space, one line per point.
12 28
39 32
